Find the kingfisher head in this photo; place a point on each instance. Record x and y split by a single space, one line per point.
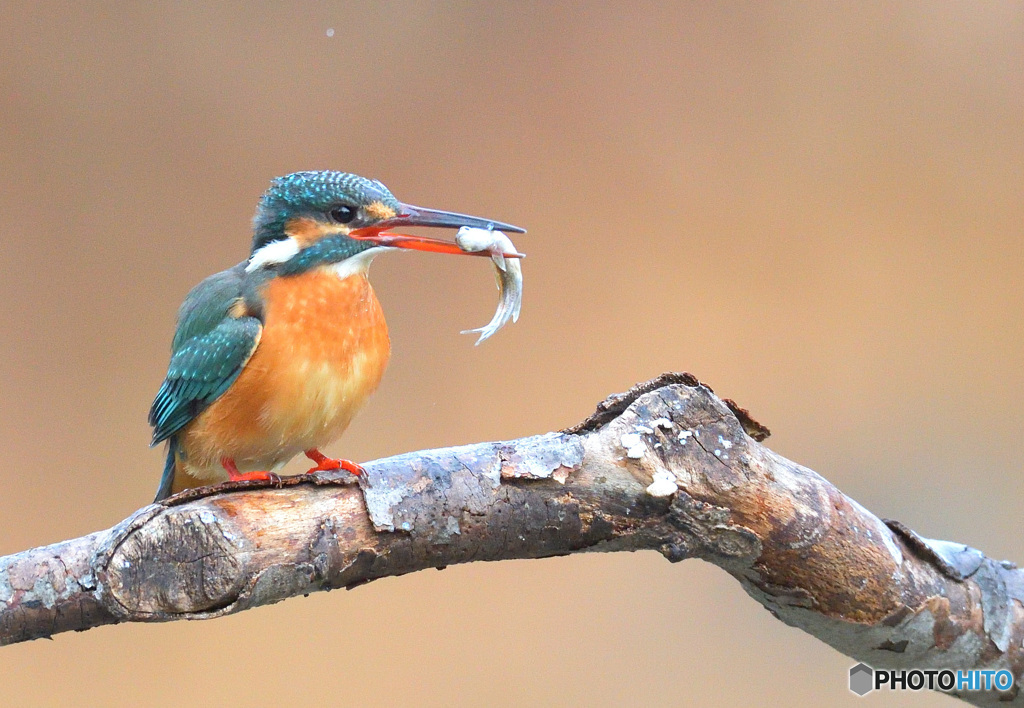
309 219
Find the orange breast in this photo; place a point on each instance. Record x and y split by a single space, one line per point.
323 351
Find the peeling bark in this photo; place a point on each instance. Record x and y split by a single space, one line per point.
666 466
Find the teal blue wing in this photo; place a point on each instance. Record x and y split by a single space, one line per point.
207 305
210 349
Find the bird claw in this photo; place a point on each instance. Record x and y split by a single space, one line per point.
327 464
255 477
259 476
353 468
350 467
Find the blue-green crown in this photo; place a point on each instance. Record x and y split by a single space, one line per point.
312 194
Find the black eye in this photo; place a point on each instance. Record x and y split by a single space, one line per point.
343 214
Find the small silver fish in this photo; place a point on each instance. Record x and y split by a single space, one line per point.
508 273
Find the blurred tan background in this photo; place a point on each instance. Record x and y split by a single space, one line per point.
820 212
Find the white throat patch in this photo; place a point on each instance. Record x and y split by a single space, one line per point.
358 264
273 253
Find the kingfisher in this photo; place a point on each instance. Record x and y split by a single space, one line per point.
275 356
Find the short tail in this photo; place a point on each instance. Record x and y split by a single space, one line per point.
167 481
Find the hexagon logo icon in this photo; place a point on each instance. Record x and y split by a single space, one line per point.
861 679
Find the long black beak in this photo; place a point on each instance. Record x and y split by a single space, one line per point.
421 216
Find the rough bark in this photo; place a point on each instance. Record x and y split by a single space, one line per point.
666 466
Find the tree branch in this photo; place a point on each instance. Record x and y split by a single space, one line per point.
666 466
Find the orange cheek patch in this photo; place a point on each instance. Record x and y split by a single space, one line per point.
307 231
380 210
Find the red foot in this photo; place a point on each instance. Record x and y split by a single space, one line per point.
235 476
325 463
